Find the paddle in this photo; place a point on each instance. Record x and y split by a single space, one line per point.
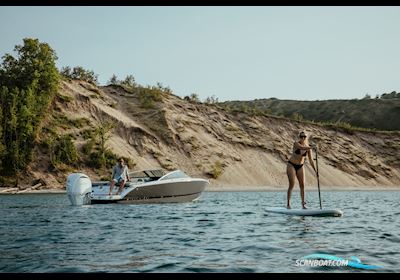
319 192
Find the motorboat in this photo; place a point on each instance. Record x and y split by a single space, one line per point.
145 186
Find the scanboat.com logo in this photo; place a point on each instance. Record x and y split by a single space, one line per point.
330 260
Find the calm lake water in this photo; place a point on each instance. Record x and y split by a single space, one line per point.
221 232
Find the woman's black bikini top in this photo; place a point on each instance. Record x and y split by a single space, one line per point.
298 152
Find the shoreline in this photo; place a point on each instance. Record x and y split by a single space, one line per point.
243 189
296 188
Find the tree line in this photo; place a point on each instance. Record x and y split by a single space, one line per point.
391 95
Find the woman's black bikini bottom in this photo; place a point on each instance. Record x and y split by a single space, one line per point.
296 166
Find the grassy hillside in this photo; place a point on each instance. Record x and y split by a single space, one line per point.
379 113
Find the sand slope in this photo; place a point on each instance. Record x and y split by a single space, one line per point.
249 152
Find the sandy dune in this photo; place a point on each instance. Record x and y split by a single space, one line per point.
243 152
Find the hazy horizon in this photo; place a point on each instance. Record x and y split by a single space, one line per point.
234 53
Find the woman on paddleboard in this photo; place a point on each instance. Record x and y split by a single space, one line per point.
295 166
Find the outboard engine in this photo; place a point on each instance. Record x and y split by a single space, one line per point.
79 189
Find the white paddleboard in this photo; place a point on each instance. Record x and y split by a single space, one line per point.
306 212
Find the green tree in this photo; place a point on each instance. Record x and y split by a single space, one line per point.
66 71
28 82
10 162
103 132
63 151
193 97
1 136
129 81
113 80
79 73
33 67
211 100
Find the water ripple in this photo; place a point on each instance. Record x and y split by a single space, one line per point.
43 233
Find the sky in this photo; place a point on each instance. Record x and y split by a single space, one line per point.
231 53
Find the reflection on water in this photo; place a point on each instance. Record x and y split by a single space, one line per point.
221 232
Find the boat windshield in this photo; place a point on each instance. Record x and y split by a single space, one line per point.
155 174
174 175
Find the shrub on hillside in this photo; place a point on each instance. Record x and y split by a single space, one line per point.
79 73
63 151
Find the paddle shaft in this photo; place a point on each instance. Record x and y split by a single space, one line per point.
319 191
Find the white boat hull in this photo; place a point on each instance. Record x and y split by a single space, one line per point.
185 190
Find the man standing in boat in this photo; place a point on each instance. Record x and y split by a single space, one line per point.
120 175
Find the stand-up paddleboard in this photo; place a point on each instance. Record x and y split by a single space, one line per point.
306 212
